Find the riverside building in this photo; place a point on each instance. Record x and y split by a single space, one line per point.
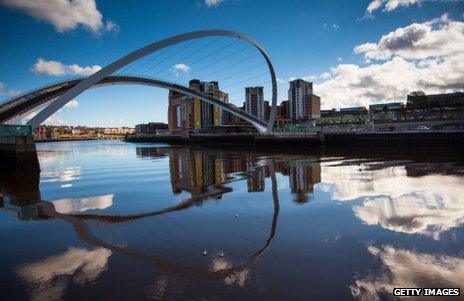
190 113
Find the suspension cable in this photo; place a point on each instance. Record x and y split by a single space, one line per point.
237 83
243 71
172 55
229 66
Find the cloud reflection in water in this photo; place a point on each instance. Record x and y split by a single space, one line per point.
66 206
238 277
405 268
395 200
49 278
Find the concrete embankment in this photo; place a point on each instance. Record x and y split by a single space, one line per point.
408 139
289 140
18 153
195 139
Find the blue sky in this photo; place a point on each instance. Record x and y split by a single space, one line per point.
322 41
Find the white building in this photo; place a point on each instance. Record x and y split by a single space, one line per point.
297 95
254 101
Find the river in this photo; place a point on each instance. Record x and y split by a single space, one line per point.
109 220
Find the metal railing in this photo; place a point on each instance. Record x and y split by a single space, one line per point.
15 130
38 89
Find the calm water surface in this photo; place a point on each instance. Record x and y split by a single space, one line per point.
108 220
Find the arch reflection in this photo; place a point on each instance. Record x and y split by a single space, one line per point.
205 175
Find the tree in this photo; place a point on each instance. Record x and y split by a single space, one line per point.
417 100
417 93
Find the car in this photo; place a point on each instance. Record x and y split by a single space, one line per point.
422 128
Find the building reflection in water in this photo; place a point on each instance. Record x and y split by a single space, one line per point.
20 192
303 174
203 175
193 170
398 196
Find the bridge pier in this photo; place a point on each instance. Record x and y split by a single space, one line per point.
19 191
17 149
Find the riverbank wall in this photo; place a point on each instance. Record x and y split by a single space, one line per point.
64 140
452 139
195 139
408 139
18 153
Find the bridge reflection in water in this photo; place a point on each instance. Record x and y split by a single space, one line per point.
202 174
401 200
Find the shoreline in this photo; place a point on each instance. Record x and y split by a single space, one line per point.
453 139
74 139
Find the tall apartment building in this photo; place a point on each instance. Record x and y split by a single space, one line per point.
285 109
231 119
254 101
313 106
190 113
176 110
282 114
303 104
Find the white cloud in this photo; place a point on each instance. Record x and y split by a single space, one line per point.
5 91
325 75
374 5
406 268
308 78
281 81
55 119
391 5
339 59
335 26
392 80
56 68
435 38
212 3
72 104
181 69
427 56
111 26
64 15
85 71
30 115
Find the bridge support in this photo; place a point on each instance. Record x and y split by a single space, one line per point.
17 149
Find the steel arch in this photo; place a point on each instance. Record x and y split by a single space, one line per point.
88 82
45 94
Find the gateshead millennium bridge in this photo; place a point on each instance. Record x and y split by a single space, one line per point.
55 96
